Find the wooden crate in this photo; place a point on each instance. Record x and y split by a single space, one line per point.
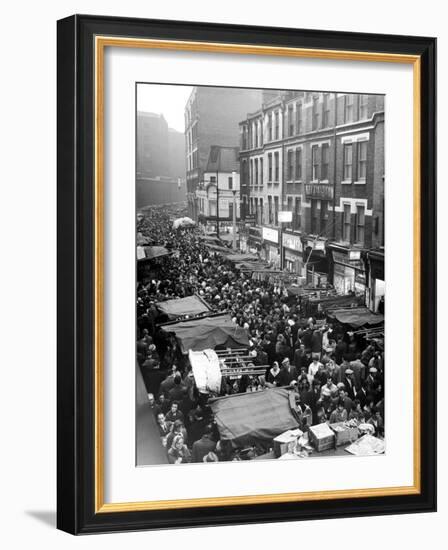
284 441
344 434
321 437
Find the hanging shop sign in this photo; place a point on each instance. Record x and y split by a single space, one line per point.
270 234
284 216
293 242
315 244
345 259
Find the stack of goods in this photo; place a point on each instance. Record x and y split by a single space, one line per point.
367 445
321 437
345 432
286 442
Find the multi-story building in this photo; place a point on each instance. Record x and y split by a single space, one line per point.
220 188
160 162
152 145
320 157
212 115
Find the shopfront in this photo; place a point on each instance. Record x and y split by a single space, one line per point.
293 253
349 273
316 262
270 248
254 240
377 283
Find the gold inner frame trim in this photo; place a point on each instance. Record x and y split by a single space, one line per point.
101 42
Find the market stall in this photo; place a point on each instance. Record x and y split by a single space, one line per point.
211 367
151 252
254 418
355 316
147 260
238 258
208 333
183 307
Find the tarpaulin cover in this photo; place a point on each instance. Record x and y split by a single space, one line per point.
210 239
151 252
206 370
142 240
208 332
248 418
218 248
191 305
251 266
356 317
228 237
241 257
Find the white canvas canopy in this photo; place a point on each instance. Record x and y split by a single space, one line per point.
183 222
206 370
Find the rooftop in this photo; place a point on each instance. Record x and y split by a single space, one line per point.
223 159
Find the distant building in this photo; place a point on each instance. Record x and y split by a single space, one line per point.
221 177
176 154
152 145
211 118
320 157
160 162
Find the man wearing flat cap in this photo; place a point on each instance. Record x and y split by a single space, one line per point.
349 383
288 373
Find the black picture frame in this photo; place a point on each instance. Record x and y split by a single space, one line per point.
76 261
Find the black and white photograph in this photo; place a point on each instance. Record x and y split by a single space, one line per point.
260 274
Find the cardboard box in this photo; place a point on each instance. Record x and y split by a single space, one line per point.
344 434
286 441
321 437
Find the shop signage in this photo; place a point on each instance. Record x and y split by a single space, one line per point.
292 242
354 255
360 278
316 245
291 257
270 234
344 259
319 191
284 216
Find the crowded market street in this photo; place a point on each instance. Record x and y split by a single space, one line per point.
240 362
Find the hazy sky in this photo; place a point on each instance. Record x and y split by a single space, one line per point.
164 99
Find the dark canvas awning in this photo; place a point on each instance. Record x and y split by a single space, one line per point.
236 258
151 252
217 248
356 317
248 418
208 333
191 305
252 266
142 240
210 239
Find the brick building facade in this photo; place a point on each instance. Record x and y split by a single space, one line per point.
212 115
320 157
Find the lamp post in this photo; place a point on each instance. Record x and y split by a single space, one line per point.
234 190
217 204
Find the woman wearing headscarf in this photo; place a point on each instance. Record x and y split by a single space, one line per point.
273 376
178 452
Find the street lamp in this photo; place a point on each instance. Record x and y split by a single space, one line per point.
234 190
